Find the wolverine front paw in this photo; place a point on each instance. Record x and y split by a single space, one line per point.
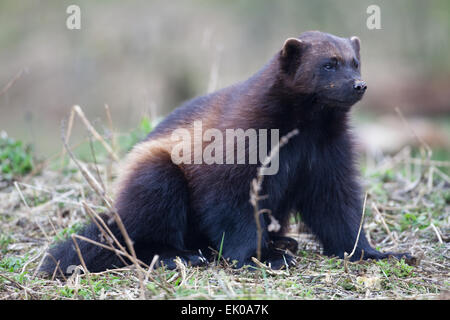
191 259
284 243
409 259
281 262
275 261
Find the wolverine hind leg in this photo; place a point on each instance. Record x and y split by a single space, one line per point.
154 206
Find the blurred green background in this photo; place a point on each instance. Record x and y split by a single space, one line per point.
145 57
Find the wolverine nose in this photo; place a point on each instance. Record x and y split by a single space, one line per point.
360 86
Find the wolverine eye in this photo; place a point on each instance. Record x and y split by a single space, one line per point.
331 65
355 63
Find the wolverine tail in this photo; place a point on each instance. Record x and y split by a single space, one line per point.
64 257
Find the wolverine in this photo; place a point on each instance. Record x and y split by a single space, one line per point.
189 210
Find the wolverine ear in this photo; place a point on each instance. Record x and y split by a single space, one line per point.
291 47
291 53
356 44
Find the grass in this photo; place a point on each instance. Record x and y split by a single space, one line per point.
15 158
408 210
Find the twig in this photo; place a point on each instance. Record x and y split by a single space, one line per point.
67 135
437 233
444 177
348 256
57 267
131 248
77 248
33 259
101 225
11 82
150 268
427 162
16 185
94 132
88 176
111 127
18 285
256 186
112 134
91 146
214 73
374 207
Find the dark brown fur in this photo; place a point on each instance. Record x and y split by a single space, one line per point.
175 210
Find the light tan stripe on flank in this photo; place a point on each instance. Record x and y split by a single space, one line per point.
140 154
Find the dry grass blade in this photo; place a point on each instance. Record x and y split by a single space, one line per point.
16 185
438 234
131 248
80 256
19 286
96 186
104 229
12 81
67 135
256 186
94 132
111 128
374 207
346 255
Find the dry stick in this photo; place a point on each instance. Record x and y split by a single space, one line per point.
91 146
16 185
39 264
444 177
80 256
98 189
32 259
214 73
163 283
131 248
57 268
94 132
256 185
113 142
150 268
95 219
181 266
427 162
18 285
104 246
374 207
396 159
88 176
67 135
111 127
118 252
430 179
346 255
11 82
57 198
437 233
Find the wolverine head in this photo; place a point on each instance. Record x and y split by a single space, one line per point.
325 66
